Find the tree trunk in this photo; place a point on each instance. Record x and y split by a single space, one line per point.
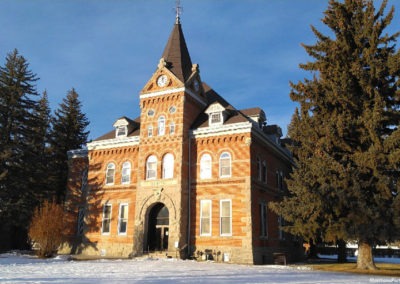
365 260
341 251
312 253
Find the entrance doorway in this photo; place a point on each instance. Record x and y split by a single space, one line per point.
158 230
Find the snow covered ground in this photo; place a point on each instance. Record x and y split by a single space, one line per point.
17 268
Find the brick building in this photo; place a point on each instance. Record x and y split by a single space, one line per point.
192 176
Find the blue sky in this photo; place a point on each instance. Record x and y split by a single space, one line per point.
248 51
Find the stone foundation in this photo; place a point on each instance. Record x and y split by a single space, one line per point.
103 250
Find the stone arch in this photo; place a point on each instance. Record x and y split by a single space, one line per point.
142 222
157 197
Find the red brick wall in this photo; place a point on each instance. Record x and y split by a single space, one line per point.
266 192
235 188
115 194
74 196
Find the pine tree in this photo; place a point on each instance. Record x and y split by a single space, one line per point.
346 133
68 133
17 151
41 179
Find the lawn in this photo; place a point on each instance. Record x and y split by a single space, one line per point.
384 269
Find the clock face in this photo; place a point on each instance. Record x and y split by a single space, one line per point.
162 80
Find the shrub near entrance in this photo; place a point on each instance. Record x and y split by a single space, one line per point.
46 228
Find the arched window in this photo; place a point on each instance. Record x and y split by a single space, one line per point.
225 165
168 166
126 173
110 173
205 166
161 125
151 167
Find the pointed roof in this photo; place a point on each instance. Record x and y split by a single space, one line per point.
176 54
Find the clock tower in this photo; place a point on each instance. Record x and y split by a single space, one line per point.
191 176
170 102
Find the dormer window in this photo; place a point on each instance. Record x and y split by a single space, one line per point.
216 118
256 116
121 131
123 126
216 114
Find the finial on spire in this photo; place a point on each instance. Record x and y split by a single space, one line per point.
178 9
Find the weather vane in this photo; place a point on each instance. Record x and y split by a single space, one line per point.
178 10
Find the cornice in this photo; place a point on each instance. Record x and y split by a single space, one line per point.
243 127
275 147
113 143
77 153
173 91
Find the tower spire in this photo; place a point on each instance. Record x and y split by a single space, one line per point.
176 54
178 10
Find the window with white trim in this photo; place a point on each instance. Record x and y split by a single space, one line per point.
150 131
215 118
122 131
172 128
151 167
205 217
106 222
225 165
258 169
161 125
216 114
168 166
126 173
123 219
205 166
263 220
225 217
110 173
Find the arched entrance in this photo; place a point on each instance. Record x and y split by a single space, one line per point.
158 228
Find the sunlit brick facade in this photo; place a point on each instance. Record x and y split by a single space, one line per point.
192 176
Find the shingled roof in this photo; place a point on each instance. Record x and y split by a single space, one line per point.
176 54
133 130
235 116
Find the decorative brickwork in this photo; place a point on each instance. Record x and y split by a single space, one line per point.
189 147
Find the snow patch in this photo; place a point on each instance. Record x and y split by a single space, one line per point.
25 268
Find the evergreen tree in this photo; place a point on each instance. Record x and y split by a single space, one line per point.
42 182
68 133
346 133
18 154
